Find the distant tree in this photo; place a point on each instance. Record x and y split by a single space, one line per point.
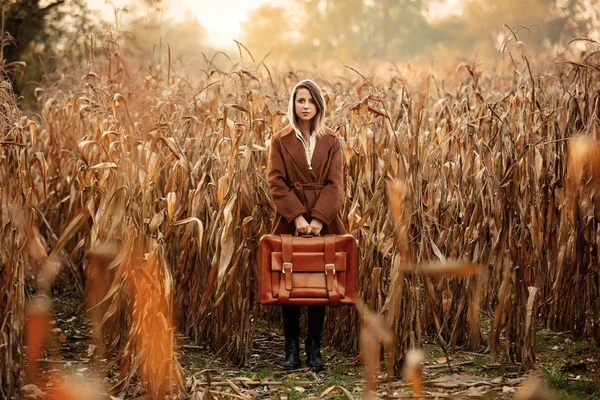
393 29
342 29
24 20
397 28
147 39
43 32
269 29
46 33
546 22
574 18
331 28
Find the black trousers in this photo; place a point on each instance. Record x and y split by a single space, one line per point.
291 321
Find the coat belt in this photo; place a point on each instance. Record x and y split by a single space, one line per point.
309 186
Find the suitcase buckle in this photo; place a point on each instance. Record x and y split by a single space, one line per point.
330 267
287 265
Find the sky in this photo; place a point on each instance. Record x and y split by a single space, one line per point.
222 18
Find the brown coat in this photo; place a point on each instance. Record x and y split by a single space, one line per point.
297 190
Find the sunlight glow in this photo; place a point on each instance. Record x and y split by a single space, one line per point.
222 19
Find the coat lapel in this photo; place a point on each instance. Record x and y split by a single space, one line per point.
321 152
294 147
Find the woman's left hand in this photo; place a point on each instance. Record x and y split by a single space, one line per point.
315 227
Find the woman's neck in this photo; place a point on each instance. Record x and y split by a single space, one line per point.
305 128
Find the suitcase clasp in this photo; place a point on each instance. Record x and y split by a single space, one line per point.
287 265
330 267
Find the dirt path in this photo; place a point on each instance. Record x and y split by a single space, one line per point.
571 367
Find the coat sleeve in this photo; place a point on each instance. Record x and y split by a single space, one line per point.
329 203
286 202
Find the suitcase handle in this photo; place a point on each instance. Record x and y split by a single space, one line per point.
304 236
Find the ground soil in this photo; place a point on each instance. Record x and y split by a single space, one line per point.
570 367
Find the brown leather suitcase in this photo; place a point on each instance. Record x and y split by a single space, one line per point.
307 270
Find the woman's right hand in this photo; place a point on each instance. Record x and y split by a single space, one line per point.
301 225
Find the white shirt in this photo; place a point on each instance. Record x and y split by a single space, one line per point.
309 147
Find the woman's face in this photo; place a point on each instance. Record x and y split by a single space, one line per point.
305 107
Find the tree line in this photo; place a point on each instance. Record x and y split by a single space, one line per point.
398 29
41 33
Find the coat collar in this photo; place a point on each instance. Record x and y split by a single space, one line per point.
288 129
296 150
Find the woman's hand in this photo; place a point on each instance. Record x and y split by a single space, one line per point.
315 227
301 225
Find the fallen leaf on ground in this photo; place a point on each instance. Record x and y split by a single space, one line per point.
31 391
456 380
472 392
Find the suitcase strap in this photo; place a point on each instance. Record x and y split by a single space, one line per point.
285 283
332 281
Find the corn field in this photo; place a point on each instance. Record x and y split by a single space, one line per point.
147 190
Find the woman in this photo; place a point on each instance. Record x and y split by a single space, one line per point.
305 175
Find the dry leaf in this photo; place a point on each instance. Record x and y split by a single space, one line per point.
171 203
508 389
31 391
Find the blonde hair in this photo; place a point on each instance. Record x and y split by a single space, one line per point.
317 124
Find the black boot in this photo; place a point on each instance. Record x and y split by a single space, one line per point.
316 316
291 330
292 354
313 354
